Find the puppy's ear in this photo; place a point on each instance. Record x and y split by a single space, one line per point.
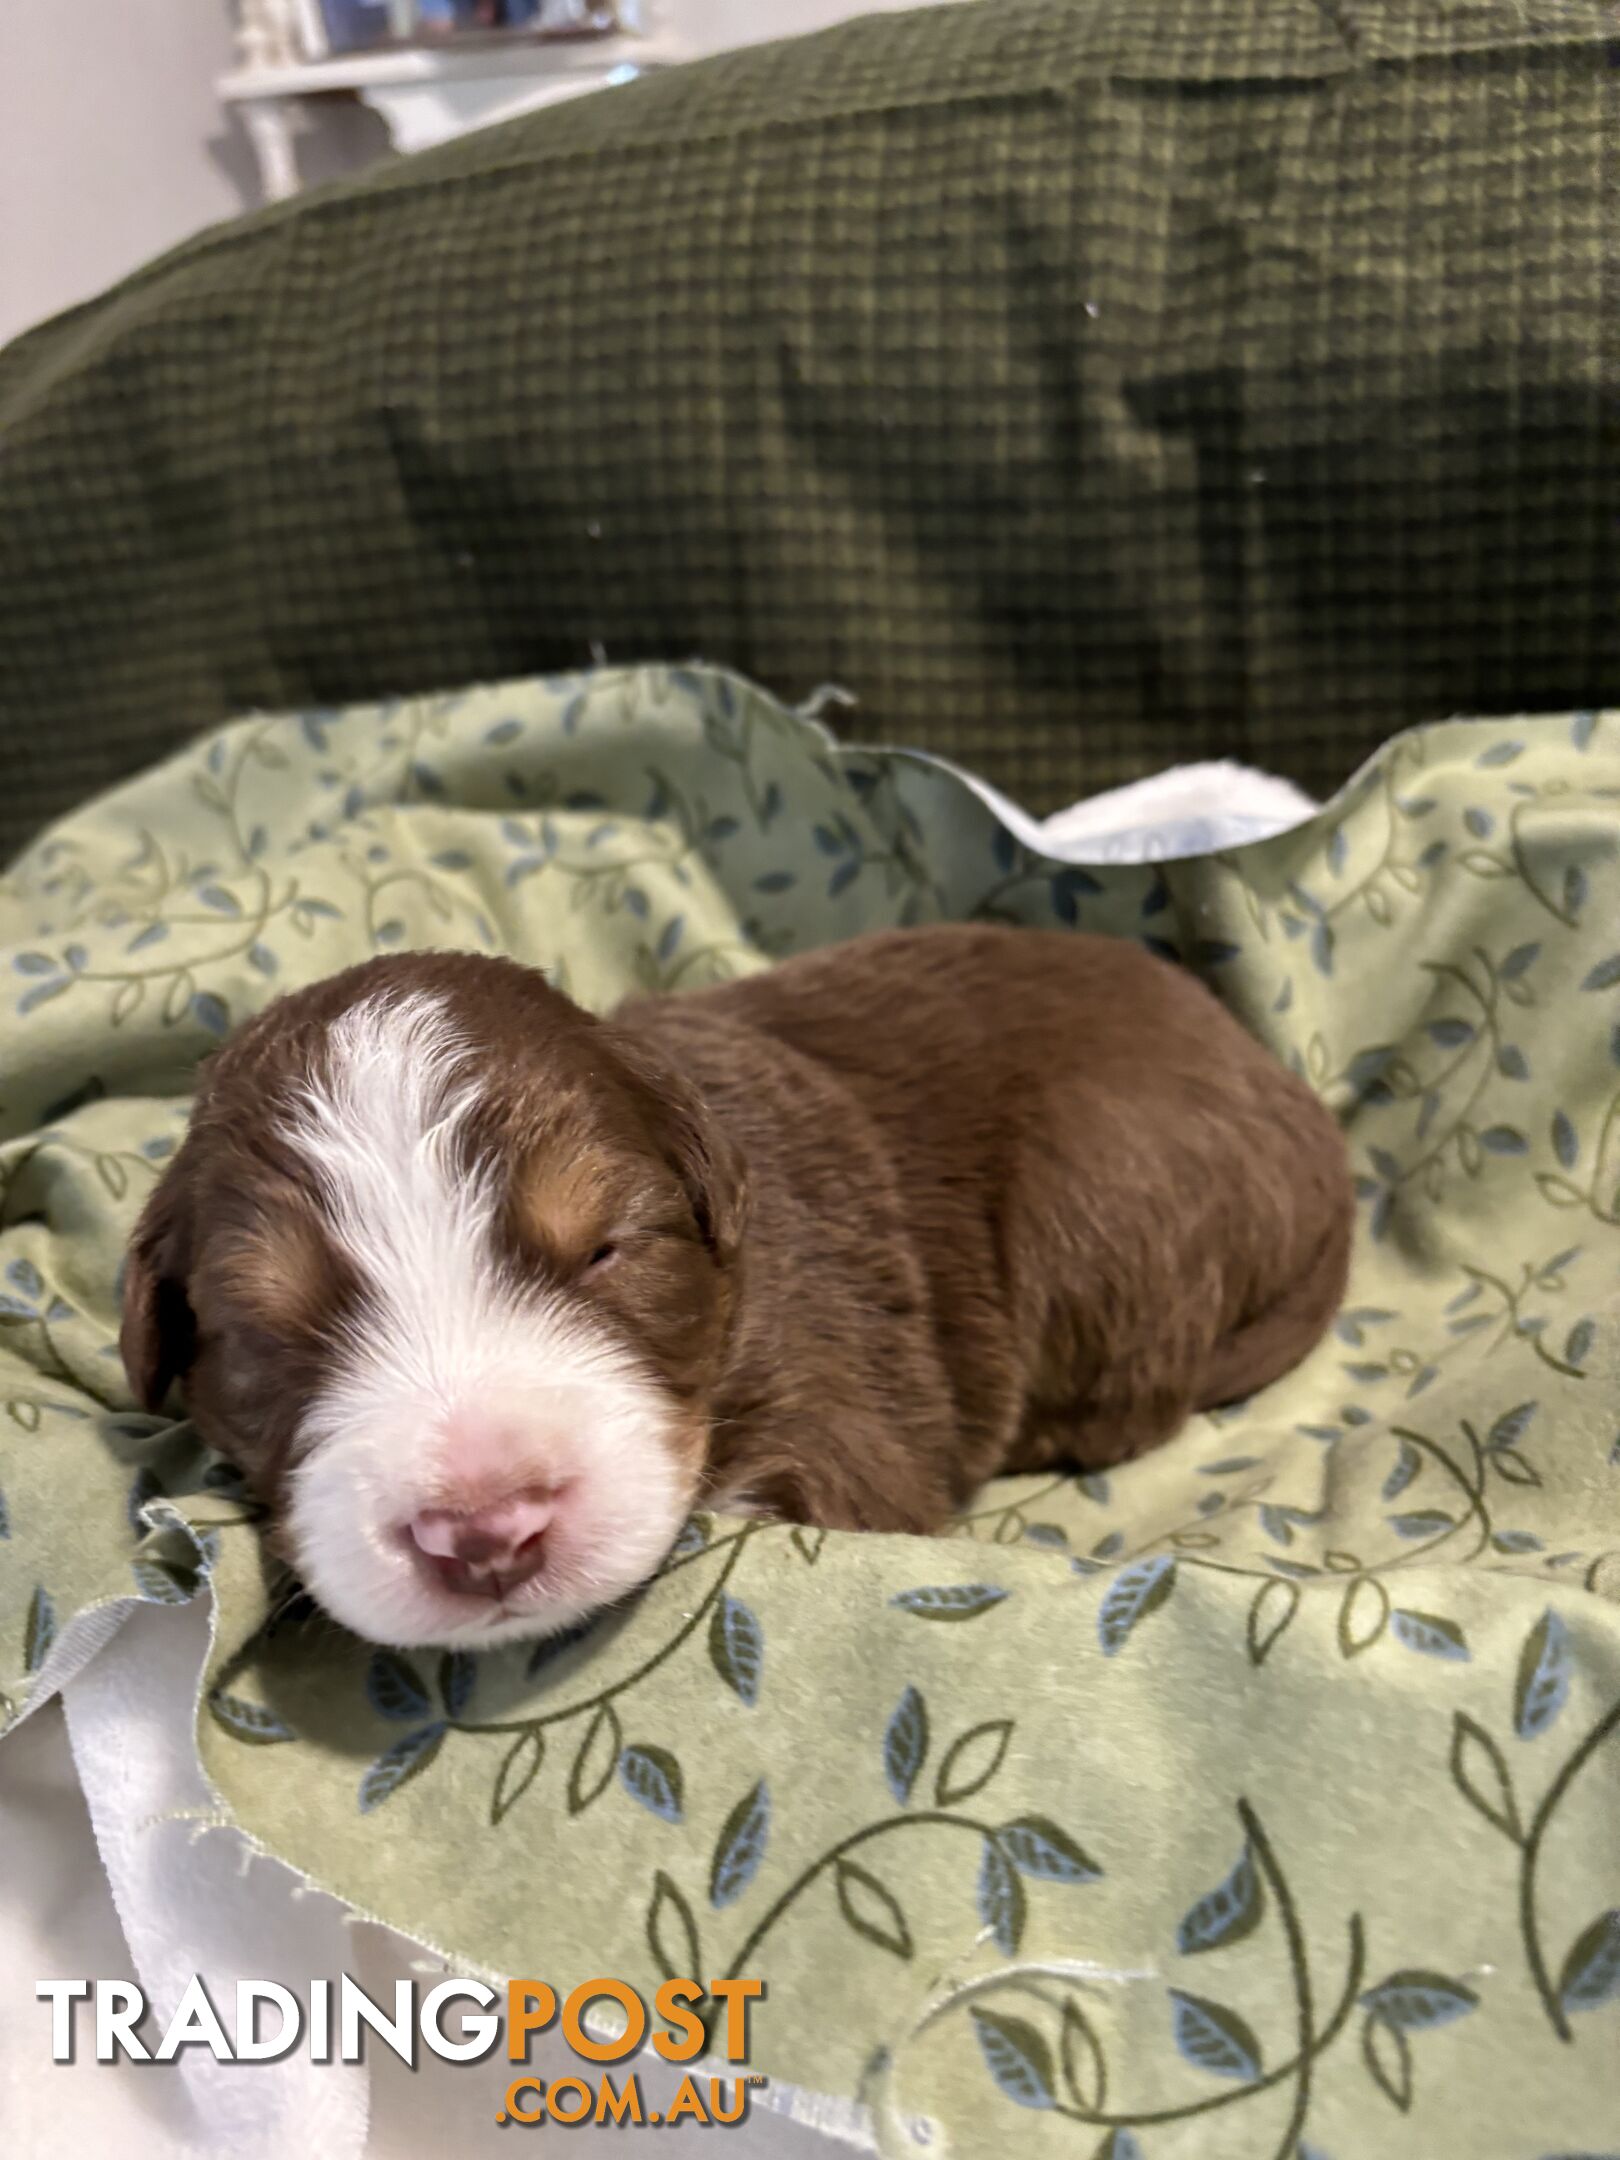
159 1333
695 1145
712 1170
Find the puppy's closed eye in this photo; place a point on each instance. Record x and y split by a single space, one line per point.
602 1259
566 1208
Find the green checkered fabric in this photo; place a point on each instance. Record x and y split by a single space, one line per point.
1082 386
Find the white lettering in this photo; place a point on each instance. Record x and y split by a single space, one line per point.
478 2032
120 2006
61 1995
195 2024
249 1994
357 2007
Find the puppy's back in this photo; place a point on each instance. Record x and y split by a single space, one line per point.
1125 1206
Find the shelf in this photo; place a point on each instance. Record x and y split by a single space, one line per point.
559 59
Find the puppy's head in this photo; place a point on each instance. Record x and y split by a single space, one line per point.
446 1267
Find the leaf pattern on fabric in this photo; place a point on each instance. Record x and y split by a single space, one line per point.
926 1790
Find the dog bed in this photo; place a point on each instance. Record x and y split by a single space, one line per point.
1260 1797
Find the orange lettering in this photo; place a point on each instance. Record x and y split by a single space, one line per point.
577 2108
615 2107
736 1995
512 2111
686 2102
635 2012
670 2003
530 2007
739 2100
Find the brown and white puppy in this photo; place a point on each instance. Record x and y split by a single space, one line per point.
484 1295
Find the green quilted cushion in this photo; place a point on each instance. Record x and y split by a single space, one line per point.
1083 386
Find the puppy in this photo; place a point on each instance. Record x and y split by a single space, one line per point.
484 1295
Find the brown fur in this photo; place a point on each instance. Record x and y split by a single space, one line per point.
891 1217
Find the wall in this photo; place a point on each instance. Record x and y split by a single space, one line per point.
113 144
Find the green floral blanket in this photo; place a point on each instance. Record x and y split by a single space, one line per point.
1260 1798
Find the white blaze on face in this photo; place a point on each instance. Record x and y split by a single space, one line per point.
454 1383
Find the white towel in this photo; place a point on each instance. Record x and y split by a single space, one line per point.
1188 810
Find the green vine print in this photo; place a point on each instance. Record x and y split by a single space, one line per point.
1259 1793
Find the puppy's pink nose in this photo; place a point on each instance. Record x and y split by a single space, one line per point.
487 1550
